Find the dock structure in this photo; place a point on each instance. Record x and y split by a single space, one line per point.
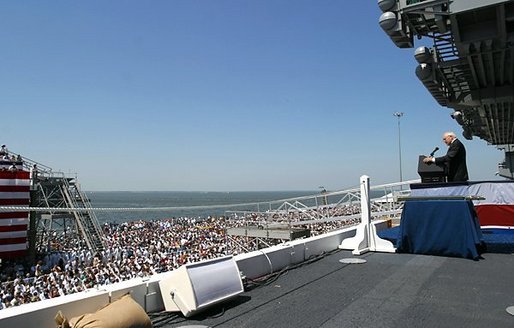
56 190
36 185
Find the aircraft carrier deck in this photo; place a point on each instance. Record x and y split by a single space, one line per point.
389 290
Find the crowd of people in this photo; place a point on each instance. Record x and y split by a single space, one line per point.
8 161
141 249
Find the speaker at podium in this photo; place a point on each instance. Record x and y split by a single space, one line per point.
431 172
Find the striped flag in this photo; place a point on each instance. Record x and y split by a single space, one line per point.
14 190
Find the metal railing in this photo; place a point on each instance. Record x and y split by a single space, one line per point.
337 205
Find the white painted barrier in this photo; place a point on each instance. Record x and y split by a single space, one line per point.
146 292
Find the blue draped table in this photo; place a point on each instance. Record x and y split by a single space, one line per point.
440 227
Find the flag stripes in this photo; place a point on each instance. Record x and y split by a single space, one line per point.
14 190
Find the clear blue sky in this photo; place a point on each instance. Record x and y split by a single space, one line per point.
220 95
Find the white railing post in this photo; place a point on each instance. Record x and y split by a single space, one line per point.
366 238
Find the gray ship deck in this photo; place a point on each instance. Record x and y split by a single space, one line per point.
389 290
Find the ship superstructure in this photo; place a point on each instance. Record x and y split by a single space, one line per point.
470 65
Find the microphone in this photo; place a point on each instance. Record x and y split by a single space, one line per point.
433 152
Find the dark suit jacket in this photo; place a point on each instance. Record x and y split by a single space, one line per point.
455 161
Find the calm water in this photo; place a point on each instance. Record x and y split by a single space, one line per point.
130 199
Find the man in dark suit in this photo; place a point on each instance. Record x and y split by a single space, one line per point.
454 160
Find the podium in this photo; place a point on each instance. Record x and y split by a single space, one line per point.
431 172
